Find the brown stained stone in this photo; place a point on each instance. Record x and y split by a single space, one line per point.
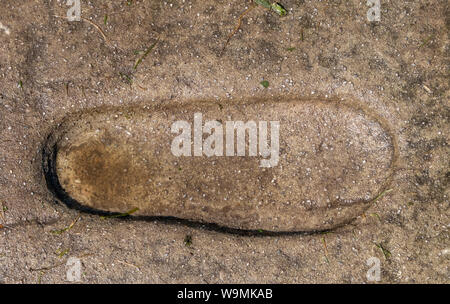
334 159
50 67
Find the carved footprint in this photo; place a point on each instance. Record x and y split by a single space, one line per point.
333 158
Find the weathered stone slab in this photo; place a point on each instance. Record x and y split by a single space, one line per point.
333 159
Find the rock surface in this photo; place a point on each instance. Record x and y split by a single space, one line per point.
396 68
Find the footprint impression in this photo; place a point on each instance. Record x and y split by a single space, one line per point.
272 165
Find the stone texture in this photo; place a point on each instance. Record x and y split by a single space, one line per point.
396 68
